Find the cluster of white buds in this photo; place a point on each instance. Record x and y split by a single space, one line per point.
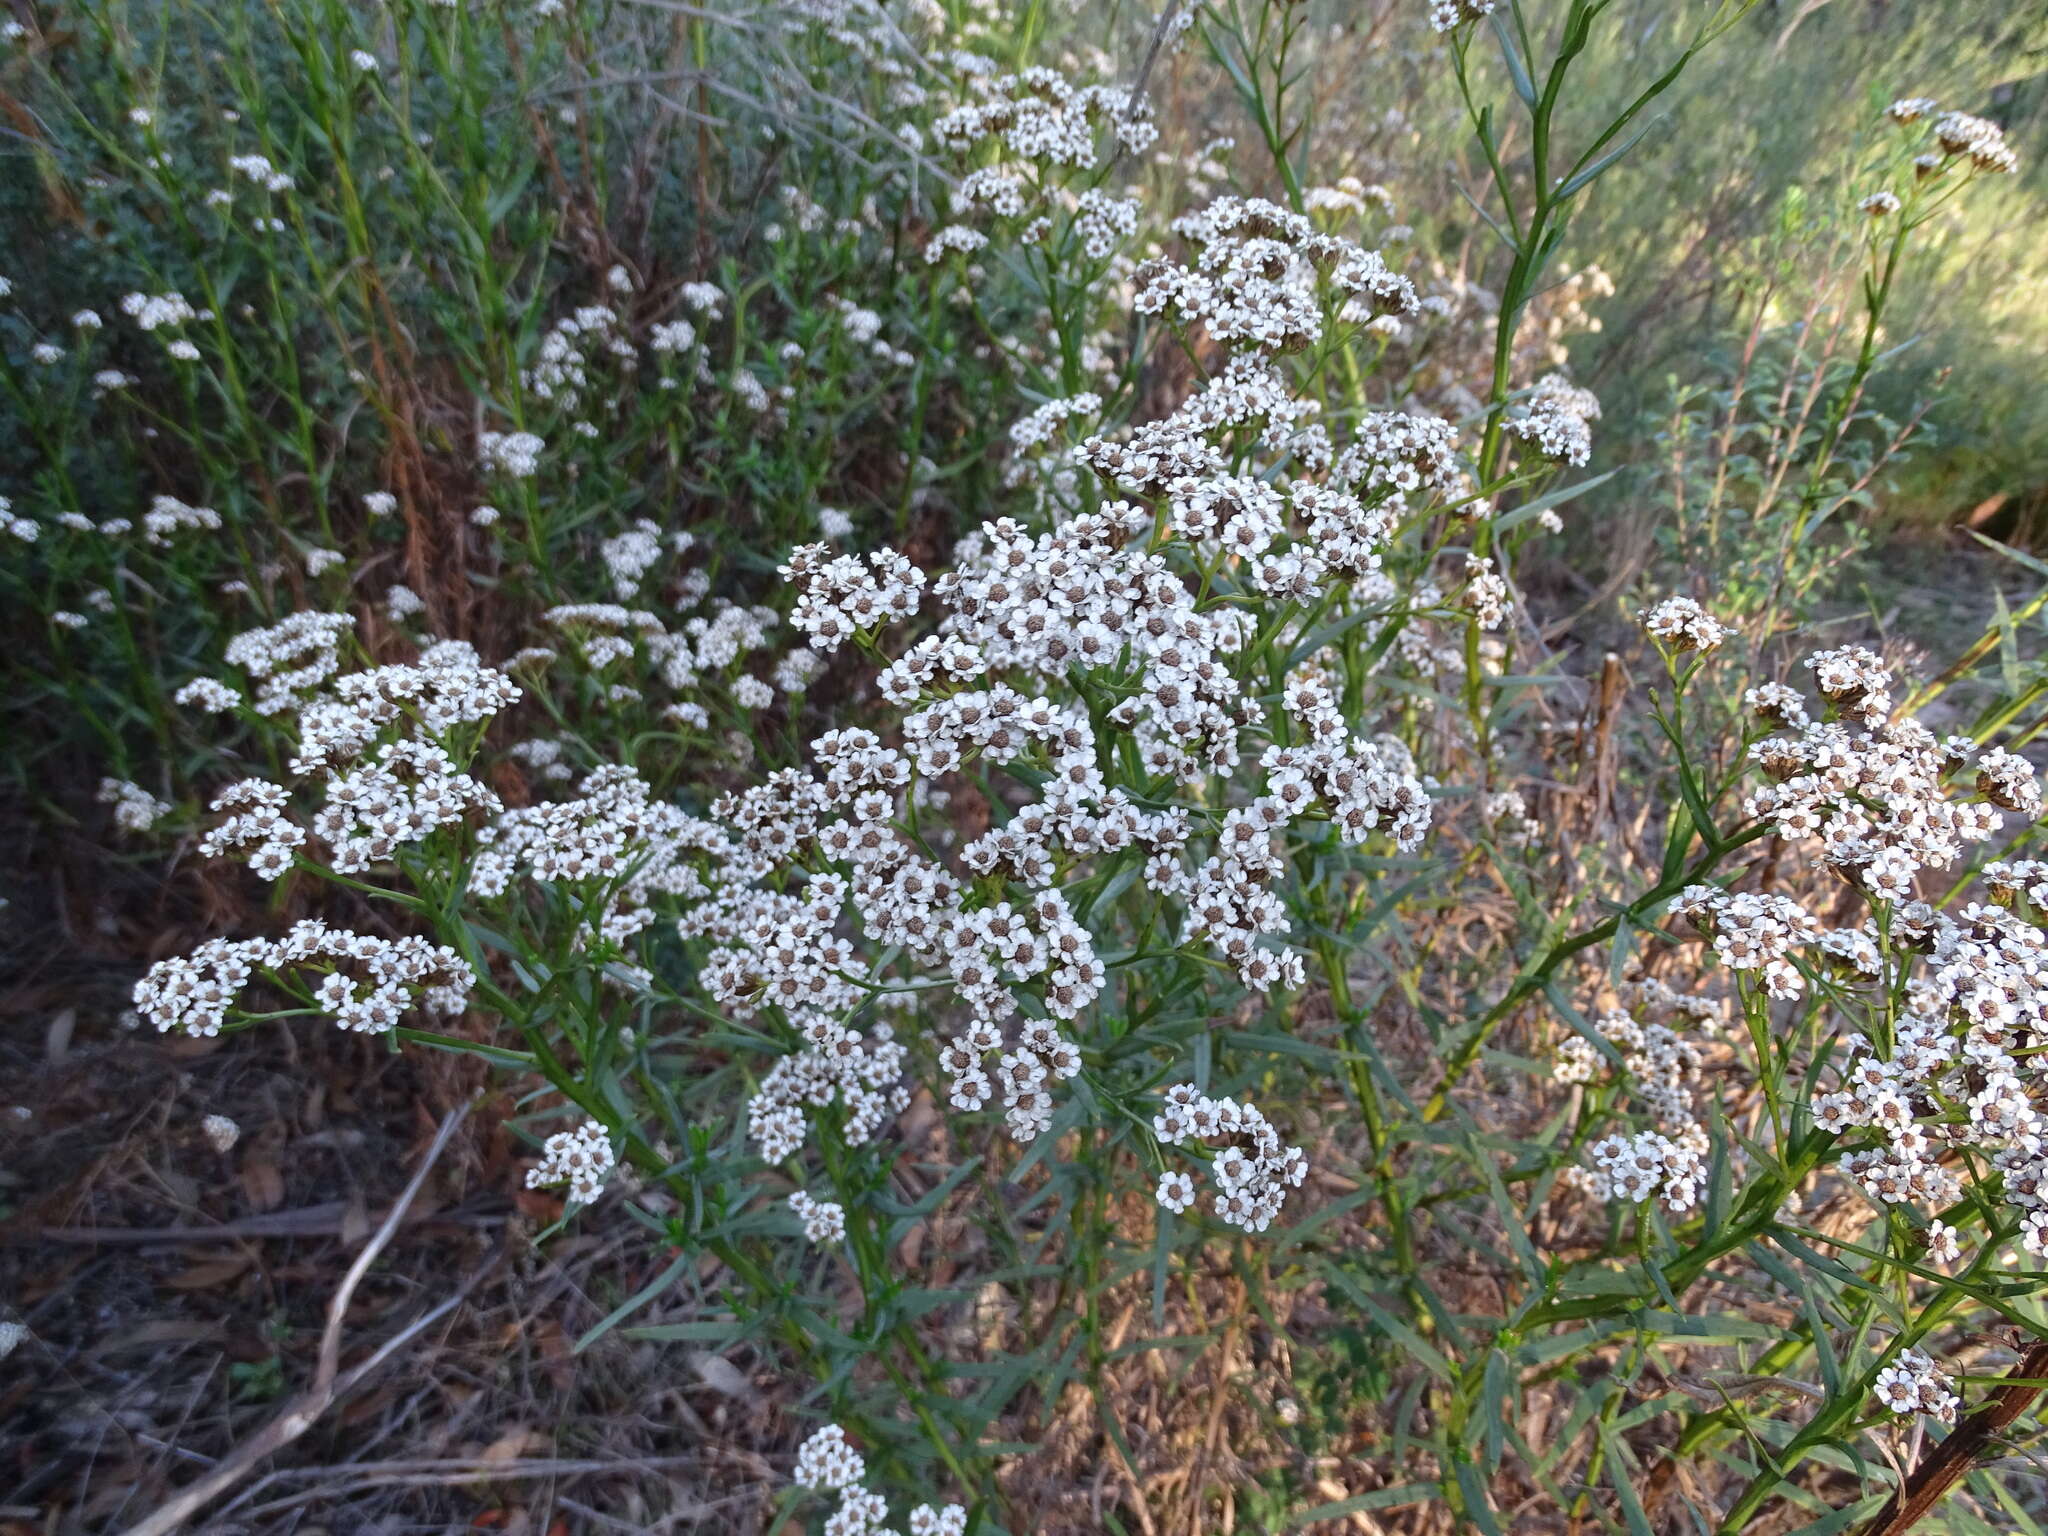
824 1221
366 983
581 1158
826 1463
1252 1169
221 1133
1912 1384
1684 625
135 808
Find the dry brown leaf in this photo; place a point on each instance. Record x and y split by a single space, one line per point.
512 1443
262 1183
215 1272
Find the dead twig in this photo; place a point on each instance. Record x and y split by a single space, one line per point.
328 1383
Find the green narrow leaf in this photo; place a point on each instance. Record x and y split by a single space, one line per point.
1518 72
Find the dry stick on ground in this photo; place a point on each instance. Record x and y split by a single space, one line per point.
304 1411
1942 1470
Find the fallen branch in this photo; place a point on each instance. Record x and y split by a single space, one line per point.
327 1219
303 1411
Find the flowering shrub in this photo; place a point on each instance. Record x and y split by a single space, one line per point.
975 745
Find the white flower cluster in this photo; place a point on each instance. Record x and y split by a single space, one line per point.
1486 592
629 556
1912 1384
838 598
135 808
626 845
510 453
167 515
1627 1169
1684 625
1882 801
1265 276
953 237
1668 1162
366 983
1039 115
1104 222
26 529
607 634
560 372
1752 931
258 825
1103 608
824 1221
290 658
581 1158
672 336
411 791
1252 1168
259 170
1033 432
1557 419
826 1463
1449 15
1956 1074
1979 140
154 311
1957 999
447 687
